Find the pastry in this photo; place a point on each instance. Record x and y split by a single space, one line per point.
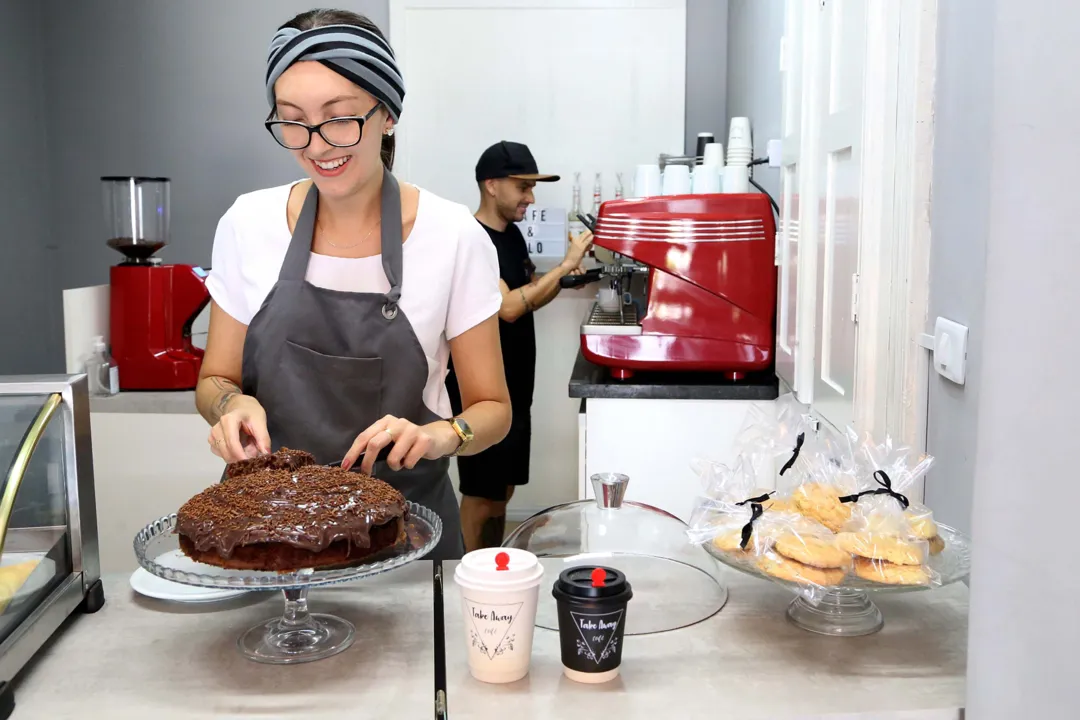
922 524
287 520
876 546
728 541
822 503
283 459
890 573
936 545
731 541
780 505
785 569
817 551
12 577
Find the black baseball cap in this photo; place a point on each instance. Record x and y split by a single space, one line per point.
509 160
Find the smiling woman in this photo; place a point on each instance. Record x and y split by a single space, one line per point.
338 300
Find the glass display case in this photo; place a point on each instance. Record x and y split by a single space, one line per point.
48 522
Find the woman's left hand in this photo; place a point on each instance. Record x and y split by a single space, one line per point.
411 443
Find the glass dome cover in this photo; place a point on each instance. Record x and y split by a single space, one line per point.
676 583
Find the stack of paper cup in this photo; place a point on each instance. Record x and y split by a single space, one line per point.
499 589
740 148
740 152
647 181
736 179
676 180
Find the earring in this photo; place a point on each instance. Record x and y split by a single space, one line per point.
389 132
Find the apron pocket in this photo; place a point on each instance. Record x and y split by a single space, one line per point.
324 401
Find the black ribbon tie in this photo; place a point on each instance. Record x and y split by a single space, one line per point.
886 489
756 511
794 454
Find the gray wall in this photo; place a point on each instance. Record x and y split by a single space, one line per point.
1024 632
162 88
959 226
755 28
140 88
30 330
706 70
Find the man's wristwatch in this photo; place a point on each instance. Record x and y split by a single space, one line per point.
463 431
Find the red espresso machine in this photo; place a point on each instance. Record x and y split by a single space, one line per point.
151 305
696 281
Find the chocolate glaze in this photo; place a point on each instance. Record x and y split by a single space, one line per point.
310 508
283 459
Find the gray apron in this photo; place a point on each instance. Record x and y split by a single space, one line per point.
327 364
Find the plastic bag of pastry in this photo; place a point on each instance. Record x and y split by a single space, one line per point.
719 481
804 556
741 528
826 472
770 441
732 513
890 538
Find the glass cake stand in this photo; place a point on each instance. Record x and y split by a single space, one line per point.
846 610
298 635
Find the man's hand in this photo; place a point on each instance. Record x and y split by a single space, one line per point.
575 254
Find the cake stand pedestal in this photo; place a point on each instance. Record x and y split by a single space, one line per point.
840 612
298 635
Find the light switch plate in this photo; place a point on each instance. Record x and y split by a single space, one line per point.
950 350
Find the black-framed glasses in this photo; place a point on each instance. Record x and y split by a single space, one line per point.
339 132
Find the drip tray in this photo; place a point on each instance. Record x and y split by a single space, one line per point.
605 322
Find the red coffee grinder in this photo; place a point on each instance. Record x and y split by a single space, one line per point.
151 305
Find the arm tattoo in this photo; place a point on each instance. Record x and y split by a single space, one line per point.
229 390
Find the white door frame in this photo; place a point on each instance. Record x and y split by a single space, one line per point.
891 375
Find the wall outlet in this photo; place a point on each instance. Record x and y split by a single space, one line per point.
775 150
949 347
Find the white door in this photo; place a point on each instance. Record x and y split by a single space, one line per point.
787 241
839 101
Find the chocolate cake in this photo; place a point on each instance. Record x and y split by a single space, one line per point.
287 520
283 459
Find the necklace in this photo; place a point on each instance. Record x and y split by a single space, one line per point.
331 243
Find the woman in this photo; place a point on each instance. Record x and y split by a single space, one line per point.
337 300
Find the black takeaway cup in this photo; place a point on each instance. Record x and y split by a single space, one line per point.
591 605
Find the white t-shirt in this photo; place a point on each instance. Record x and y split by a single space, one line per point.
450 272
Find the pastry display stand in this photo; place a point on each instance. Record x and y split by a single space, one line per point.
846 610
298 635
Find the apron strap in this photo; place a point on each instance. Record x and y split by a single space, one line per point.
296 258
391 242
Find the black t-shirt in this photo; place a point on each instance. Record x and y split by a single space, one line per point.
518 339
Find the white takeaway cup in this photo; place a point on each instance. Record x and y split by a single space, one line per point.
676 180
714 155
706 180
499 610
647 181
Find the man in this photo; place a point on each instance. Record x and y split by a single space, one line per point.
506 174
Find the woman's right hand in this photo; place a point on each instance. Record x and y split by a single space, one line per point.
241 432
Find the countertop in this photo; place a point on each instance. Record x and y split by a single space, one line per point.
141 658
174 402
745 662
592 381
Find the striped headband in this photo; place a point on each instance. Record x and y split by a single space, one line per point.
355 53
